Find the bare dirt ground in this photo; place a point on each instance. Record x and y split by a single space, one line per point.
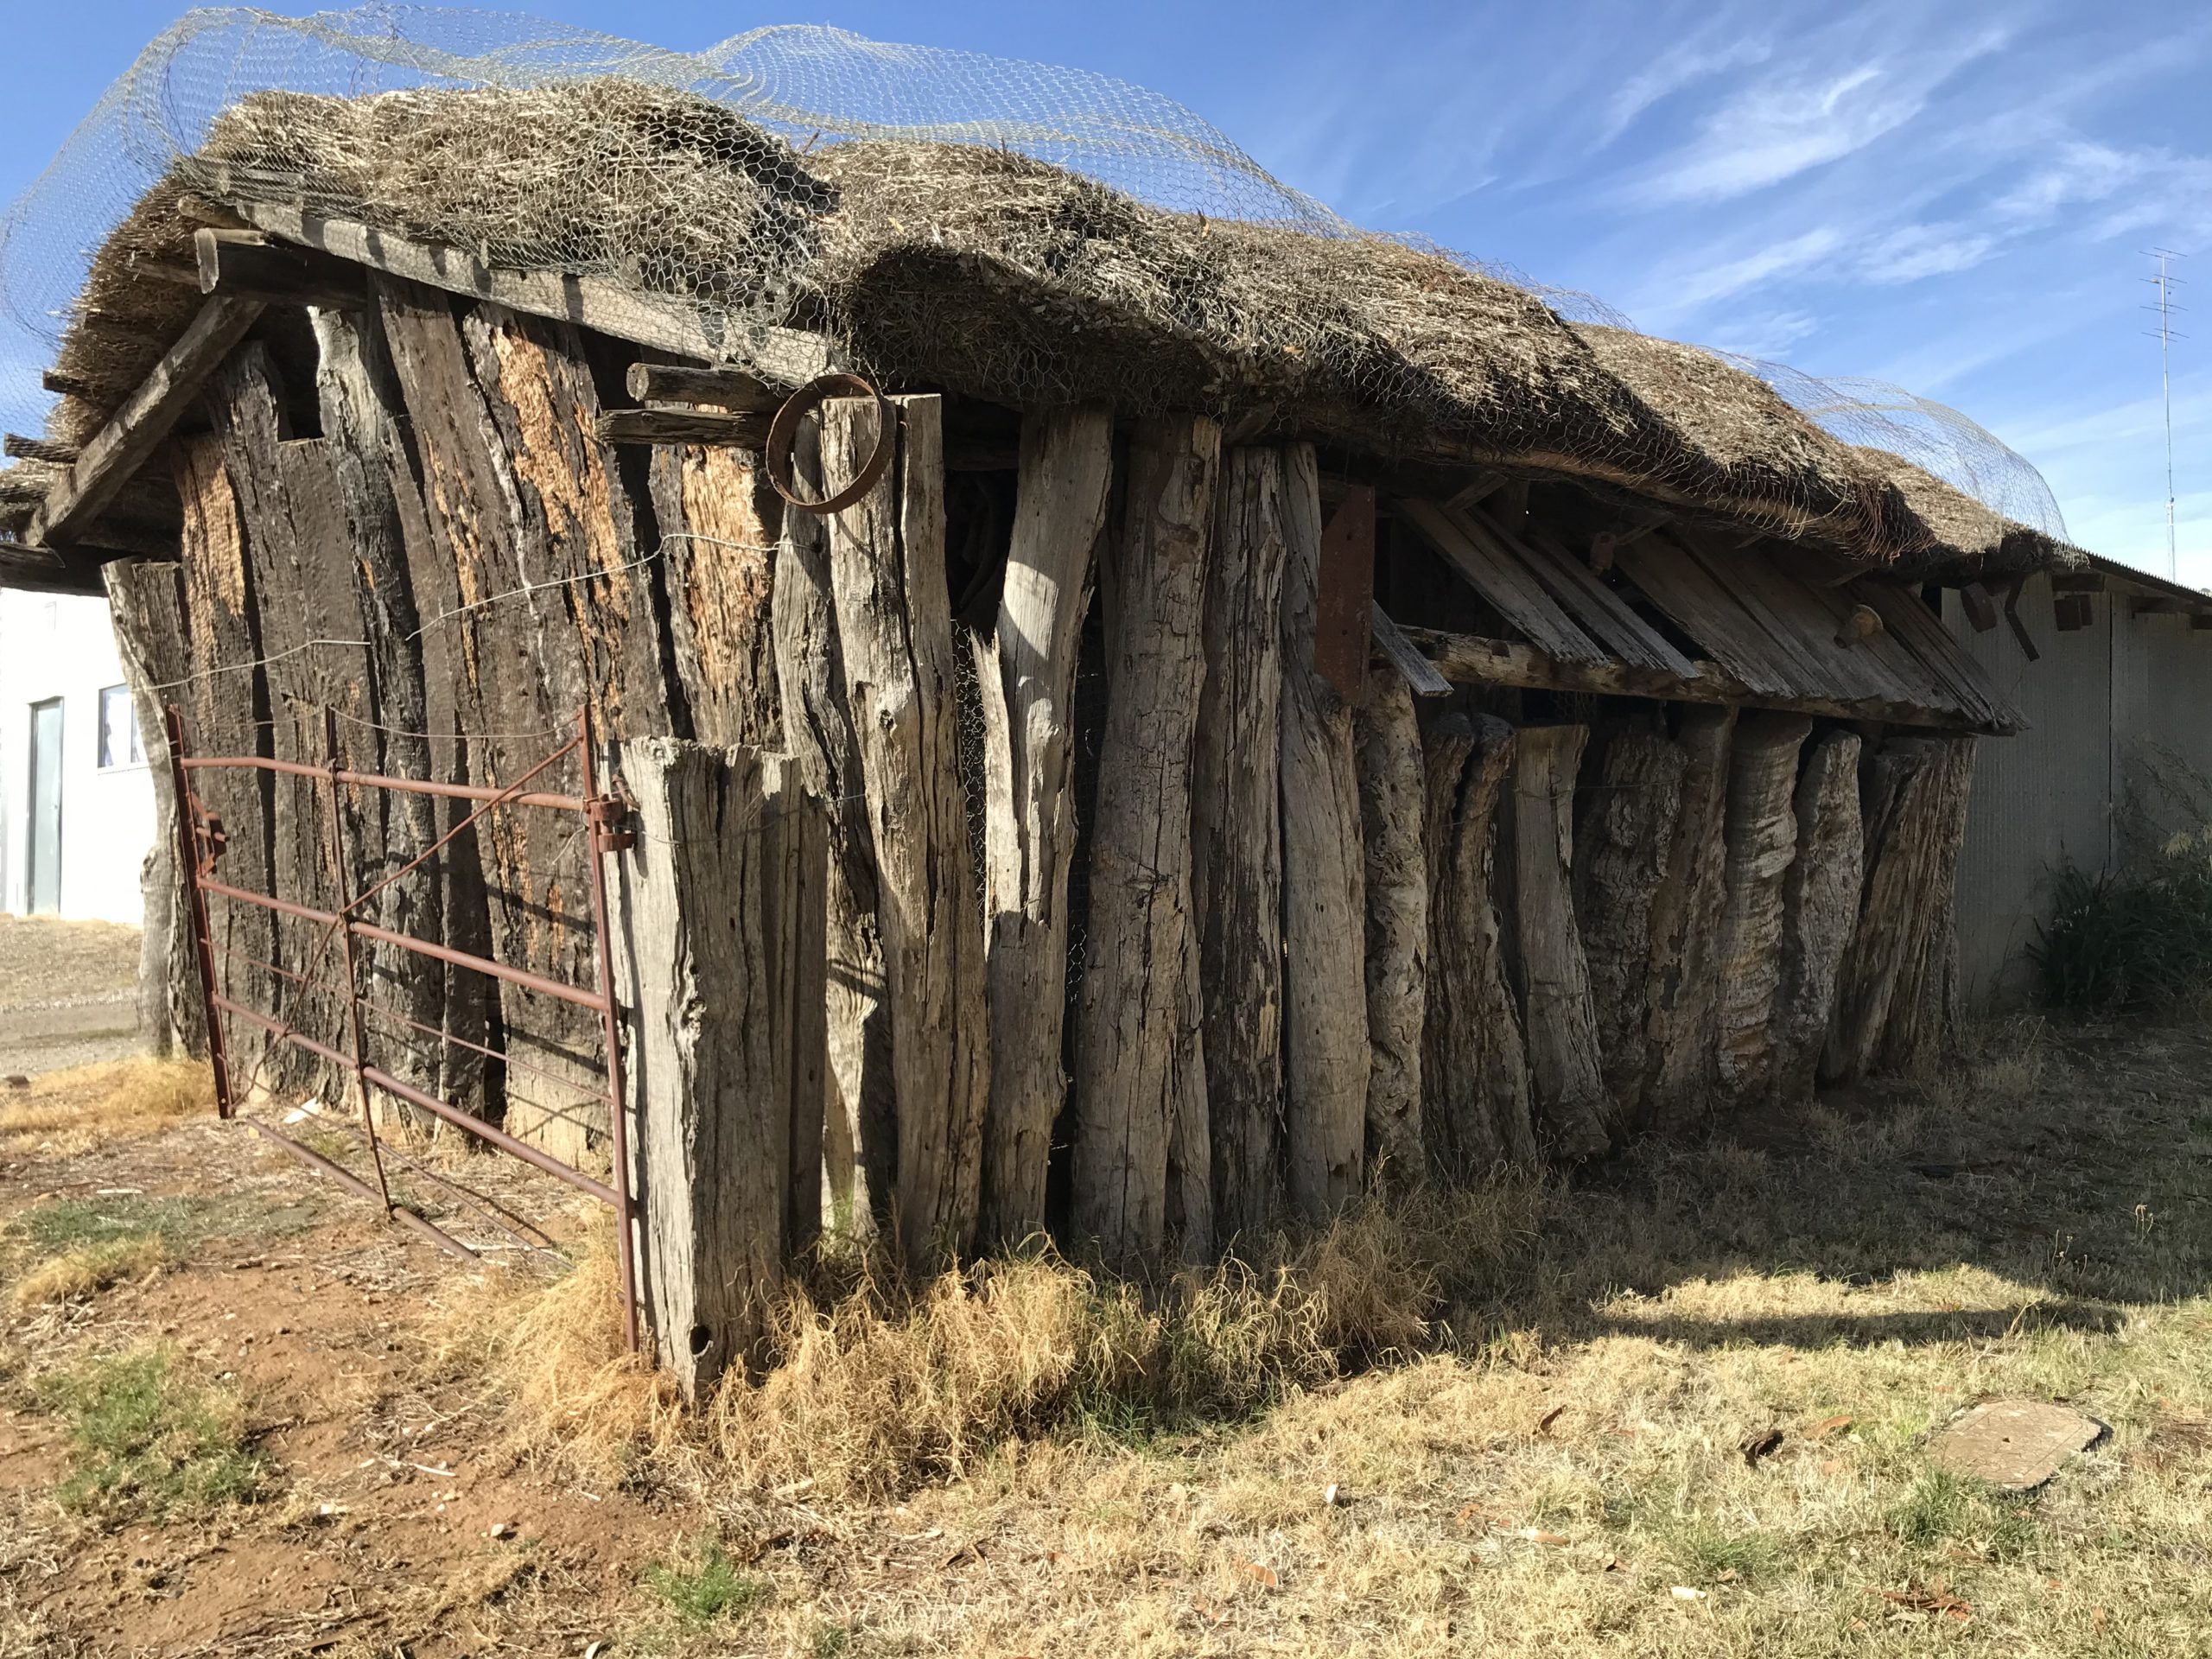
1682 1407
68 993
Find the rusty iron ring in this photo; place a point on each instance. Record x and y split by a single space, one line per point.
783 432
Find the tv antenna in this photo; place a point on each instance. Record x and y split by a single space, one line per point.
2165 282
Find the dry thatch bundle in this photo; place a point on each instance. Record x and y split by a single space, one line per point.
996 275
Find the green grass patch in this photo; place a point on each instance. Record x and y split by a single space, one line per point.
144 1438
1945 1508
704 1587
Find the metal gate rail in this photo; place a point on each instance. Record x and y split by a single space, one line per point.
200 844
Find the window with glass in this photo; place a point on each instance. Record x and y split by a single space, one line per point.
119 745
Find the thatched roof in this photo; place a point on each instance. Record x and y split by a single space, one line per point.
993 274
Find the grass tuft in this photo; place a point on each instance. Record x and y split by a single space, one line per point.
84 1270
144 1438
704 1587
73 1111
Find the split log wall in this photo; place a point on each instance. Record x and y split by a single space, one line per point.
1321 936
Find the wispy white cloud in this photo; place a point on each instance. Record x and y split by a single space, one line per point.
1768 334
1803 118
1675 70
1912 252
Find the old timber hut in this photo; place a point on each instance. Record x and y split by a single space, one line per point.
1285 714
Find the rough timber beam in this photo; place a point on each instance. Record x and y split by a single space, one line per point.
136 430
784 356
667 383
247 265
1467 659
41 571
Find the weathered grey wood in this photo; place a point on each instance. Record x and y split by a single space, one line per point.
246 265
18 447
1140 1059
720 975
1026 682
1819 907
1326 1056
1597 607
1392 646
146 604
1544 954
131 435
737 431
1761 844
1923 1003
226 704
1623 832
669 383
1685 924
860 1138
719 523
887 558
1904 805
1236 843
1504 580
1475 1106
1392 815
1469 659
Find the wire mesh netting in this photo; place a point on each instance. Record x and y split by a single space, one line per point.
704 177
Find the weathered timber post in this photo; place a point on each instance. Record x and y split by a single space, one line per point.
1395 876
1924 1005
1026 679
1476 1110
1819 906
1546 957
1913 810
860 1154
1762 842
1140 1062
719 970
1326 1058
894 625
1236 843
1685 928
1622 839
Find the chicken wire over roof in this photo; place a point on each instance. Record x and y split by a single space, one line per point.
808 86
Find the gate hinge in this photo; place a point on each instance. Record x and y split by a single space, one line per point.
609 818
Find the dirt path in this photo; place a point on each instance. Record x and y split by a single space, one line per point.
68 993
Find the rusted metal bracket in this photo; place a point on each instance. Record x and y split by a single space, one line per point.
609 818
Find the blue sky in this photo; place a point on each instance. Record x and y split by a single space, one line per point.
1955 198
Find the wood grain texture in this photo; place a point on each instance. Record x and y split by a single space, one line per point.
1544 947
1236 843
719 523
1684 980
1623 832
1392 814
722 998
1820 908
1476 1111
1326 1058
895 624
1139 1061
860 1147
1761 844
1026 683
1913 804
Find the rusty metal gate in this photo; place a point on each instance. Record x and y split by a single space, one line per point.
200 841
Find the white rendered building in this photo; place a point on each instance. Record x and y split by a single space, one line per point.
76 798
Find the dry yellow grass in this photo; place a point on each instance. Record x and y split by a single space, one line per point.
1530 1401
65 1113
84 1270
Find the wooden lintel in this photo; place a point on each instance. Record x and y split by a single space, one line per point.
2166 605
782 356
2077 582
1469 659
246 264
136 430
42 570
669 383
